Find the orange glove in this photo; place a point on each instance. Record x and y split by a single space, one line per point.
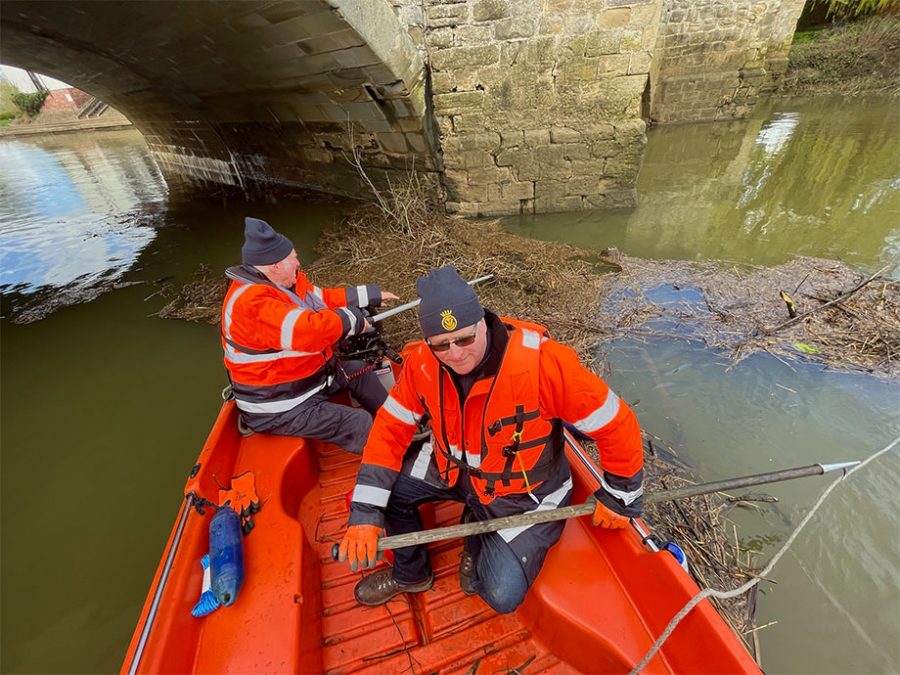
360 546
604 517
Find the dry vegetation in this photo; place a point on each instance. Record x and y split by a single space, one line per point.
855 58
740 310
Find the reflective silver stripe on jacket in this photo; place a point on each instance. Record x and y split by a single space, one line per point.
455 451
403 414
235 356
473 459
230 307
626 497
551 501
531 339
272 407
362 293
601 416
423 460
369 494
352 317
287 327
318 293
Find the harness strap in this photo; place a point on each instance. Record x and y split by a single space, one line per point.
248 350
512 449
541 472
498 425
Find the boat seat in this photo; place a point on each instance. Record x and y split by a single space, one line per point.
575 569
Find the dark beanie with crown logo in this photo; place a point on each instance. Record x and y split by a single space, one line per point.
262 244
448 302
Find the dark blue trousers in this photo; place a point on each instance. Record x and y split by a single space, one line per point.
499 577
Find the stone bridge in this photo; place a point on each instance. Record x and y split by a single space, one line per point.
502 106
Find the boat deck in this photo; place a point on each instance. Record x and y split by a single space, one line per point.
439 631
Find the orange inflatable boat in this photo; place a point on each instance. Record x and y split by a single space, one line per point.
601 599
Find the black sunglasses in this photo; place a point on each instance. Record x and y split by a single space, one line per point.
464 341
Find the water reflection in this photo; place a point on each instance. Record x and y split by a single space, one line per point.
798 178
75 210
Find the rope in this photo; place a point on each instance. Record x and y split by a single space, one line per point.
725 595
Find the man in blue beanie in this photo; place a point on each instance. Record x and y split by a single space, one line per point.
279 332
498 393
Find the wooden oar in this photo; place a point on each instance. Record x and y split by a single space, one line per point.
587 508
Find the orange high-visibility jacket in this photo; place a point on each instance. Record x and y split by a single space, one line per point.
500 435
277 340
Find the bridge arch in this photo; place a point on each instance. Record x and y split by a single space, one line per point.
242 93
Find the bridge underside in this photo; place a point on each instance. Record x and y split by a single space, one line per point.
243 93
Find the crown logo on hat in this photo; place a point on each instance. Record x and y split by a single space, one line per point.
448 321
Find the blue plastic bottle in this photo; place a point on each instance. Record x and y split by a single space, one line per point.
677 553
226 556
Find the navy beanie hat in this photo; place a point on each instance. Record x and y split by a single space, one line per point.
448 302
262 244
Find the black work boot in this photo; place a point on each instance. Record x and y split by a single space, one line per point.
466 569
376 589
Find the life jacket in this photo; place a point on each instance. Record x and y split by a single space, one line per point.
270 381
498 438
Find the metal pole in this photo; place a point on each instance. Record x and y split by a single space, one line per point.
587 508
409 305
157 596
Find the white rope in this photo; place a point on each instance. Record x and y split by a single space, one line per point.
725 595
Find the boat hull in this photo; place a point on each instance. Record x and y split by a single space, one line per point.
598 604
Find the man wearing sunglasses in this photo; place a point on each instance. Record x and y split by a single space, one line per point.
498 392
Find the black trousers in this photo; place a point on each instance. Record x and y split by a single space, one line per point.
322 419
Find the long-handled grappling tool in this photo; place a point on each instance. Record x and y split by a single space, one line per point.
587 508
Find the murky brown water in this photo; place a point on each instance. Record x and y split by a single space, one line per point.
105 407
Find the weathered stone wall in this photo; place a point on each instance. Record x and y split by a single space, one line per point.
504 106
538 102
713 57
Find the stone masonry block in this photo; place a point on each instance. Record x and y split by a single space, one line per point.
458 102
557 204
599 43
590 167
614 18
440 38
438 16
490 10
517 27
535 138
489 175
613 64
640 63
465 57
468 123
470 36
564 135
515 157
511 138
573 151
643 15
456 180
517 190
583 185
632 40
544 189
468 159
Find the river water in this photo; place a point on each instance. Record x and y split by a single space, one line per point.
104 406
